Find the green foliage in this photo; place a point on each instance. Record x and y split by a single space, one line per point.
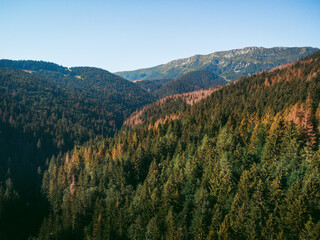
46 109
237 165
151 85
190 82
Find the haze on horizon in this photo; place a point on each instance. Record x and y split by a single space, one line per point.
127 35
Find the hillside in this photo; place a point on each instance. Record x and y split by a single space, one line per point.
229 65
189 82
242 163
151 85
166 108
119 96
33 65
46 110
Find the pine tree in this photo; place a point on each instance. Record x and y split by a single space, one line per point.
295 212
311 231
152 231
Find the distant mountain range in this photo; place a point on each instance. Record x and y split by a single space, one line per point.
230 65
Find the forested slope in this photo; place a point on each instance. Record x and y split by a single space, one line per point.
241 164
46 109
168 107
117 95
189 82
151 85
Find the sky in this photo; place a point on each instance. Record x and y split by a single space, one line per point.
126 35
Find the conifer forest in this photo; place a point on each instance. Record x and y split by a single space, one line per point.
86 154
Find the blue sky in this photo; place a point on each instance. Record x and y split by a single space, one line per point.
126 35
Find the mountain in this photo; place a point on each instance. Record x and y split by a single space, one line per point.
167 107
119 96
230 65
189 82
241 163
47 109
151 85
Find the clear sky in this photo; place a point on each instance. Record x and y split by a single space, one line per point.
125 35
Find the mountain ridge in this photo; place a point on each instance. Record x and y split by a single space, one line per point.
230 65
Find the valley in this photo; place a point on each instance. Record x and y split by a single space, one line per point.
86 154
